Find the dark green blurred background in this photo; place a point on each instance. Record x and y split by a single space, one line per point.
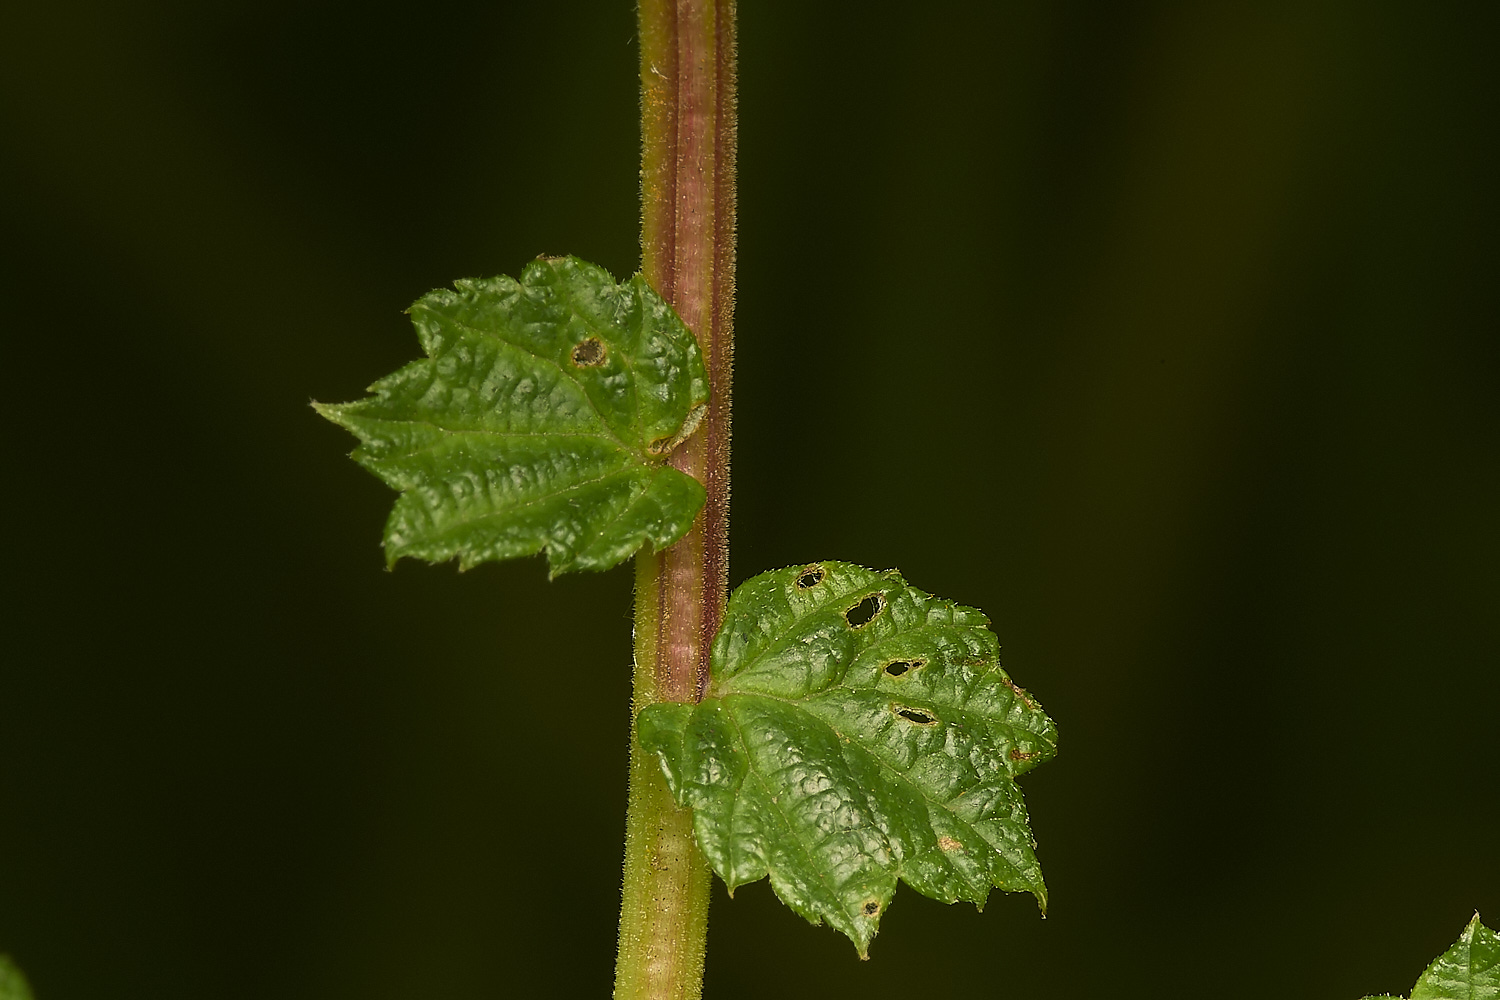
1164 332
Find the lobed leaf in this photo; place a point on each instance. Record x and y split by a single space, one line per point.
540 419
856 731
1470 970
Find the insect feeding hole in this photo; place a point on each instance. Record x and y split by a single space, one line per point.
865 611
810 577
898 667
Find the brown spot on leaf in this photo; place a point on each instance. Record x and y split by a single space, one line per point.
589 353
872 907
1016 753
1020 692
949 844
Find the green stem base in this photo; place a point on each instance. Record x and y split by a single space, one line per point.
664 912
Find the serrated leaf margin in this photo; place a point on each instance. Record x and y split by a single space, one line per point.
668 728
659 502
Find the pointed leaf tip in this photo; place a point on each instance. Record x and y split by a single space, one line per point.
540 420
857 731
1470 970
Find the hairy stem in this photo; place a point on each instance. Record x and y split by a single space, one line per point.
687 251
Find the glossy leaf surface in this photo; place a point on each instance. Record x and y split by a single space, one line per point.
540 419
1470 970
856 731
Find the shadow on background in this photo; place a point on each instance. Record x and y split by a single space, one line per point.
1164 333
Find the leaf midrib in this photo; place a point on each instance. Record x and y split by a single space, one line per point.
779 636
464 523
886 765
635 408
780 810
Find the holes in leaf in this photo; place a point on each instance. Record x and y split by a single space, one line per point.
865 611
915 715
660 446
872 907
589 353
898 667
811 576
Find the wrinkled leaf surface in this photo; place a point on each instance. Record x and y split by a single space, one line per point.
857 731
540 420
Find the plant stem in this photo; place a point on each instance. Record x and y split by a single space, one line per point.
664 910
687 254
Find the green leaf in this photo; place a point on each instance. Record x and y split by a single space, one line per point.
856 731
541 419
1470 970
12 983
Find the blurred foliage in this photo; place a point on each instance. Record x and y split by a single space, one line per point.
12 982
1207 408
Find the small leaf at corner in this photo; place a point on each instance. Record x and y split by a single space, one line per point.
12 983
857 730
540 420
1470 970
